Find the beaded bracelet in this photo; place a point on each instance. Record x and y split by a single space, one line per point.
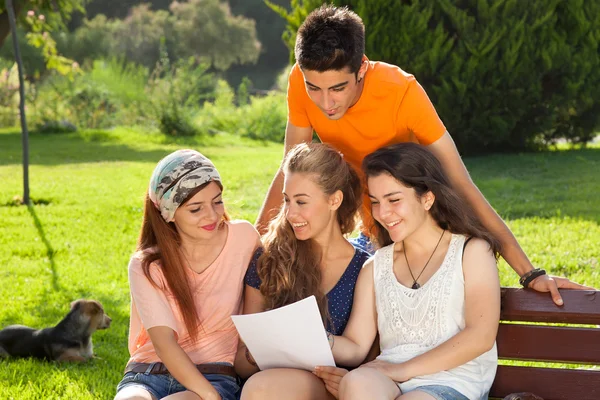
250 359
330 339
530 276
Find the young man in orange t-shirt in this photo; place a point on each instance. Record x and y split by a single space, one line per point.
358 106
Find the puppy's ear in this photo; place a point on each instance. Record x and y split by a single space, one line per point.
76 304
92 307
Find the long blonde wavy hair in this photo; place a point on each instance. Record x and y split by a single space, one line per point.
289 268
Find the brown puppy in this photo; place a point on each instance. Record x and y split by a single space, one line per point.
70 340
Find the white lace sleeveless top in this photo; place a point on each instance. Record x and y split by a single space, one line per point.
414 321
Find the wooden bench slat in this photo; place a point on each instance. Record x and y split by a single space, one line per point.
548 383
549 343
581 307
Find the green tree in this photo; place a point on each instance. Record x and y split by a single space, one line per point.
206 29
38 18
203 29
138 37
273 55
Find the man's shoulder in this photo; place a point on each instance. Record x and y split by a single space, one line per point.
388 77
296 74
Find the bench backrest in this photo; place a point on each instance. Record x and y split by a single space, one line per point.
549 344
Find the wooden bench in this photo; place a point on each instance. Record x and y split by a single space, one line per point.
549 344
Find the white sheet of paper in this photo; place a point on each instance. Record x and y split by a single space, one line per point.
292 336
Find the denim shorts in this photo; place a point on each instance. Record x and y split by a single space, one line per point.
440 392
162 385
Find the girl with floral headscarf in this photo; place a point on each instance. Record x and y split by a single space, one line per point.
186 280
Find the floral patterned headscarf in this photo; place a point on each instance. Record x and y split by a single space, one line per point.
176 176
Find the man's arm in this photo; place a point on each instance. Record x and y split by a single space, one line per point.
293 136
445 150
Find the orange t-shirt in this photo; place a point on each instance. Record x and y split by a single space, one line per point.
217 295
392 108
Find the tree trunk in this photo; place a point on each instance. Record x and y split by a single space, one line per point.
24 133
5 23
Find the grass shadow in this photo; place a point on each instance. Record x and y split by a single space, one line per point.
100 146
70 148
49 249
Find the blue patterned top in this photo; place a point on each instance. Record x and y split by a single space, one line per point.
339 299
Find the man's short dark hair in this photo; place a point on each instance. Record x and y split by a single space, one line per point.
331 38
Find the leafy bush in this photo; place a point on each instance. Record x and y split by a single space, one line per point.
177 92
33 61
265 118
110 93
9 89
56 127
91 41
221 115
504 75
262 118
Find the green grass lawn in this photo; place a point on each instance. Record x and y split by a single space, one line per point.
88 188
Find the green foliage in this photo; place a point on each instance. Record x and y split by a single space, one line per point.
56 12
298 13
110 93
119 8
176 92
273 55
206 29
56 127
269 27
140 35
243 94
92 41
203 29
34 63
9 89
504 75
114 92
265 118
262 118
38 18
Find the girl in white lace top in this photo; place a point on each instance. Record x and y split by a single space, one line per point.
434 301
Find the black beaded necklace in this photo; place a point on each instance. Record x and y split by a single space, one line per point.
416 284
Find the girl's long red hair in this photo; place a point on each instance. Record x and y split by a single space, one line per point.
160 242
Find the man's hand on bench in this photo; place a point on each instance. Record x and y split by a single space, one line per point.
547 283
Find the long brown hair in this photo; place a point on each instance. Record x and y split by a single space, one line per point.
416 167
160 241
289 268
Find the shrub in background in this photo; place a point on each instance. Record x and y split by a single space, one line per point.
110 93
221 114
265 118
34 64
9 89
261 118
92 41
504 75
176 93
